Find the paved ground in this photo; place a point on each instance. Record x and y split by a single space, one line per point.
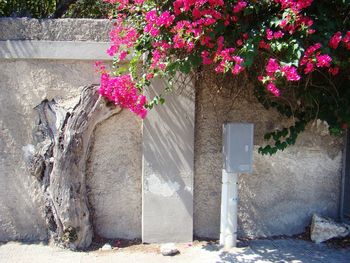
283 250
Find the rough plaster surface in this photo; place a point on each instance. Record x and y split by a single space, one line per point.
54 29
284 190
278 198
24 84
168 156
114 177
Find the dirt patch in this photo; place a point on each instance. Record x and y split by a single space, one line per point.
136 245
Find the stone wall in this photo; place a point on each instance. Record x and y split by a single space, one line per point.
284 190
54 29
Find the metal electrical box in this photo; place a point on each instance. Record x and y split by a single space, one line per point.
238 147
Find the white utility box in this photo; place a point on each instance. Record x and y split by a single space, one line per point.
238 147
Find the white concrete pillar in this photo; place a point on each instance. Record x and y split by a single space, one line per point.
168 157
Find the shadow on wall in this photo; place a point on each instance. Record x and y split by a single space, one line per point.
169 143
21 49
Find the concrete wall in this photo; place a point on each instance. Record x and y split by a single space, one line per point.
114 170
284 190
114 177
24 84
278 198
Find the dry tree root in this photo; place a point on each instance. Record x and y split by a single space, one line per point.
63 141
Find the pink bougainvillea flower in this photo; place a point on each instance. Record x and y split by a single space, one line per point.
149 76
346 40
269 34
290 73
123 55
313 57
309 68
99 67
264 45
239 42
239 6
121 90
205 58
323 61
333 71
272 66
273 89
295 5
335 40
278 34
165 19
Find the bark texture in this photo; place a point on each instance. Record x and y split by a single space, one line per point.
63 139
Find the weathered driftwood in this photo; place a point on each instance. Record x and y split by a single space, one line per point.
63 139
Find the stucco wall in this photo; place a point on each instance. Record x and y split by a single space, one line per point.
278 198
23 85
114 168
114 177
284 190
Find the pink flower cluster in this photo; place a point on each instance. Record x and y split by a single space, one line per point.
122 91
264 45
273 35
155 22
181 6
121 36
295 5
228 61
274 70
337 38
289 72
185 33
313 57
295 20
297 23
239 6
198 26
273 89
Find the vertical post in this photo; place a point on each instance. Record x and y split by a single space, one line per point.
229 198
223 219
167 172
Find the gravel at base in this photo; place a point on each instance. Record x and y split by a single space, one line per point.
282 250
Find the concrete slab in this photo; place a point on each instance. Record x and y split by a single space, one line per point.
33 49
168 157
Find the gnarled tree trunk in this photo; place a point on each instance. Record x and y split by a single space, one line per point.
63 140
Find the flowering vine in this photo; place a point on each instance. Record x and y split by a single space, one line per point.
296 51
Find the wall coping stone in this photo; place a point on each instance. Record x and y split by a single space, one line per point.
55 29
62 50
